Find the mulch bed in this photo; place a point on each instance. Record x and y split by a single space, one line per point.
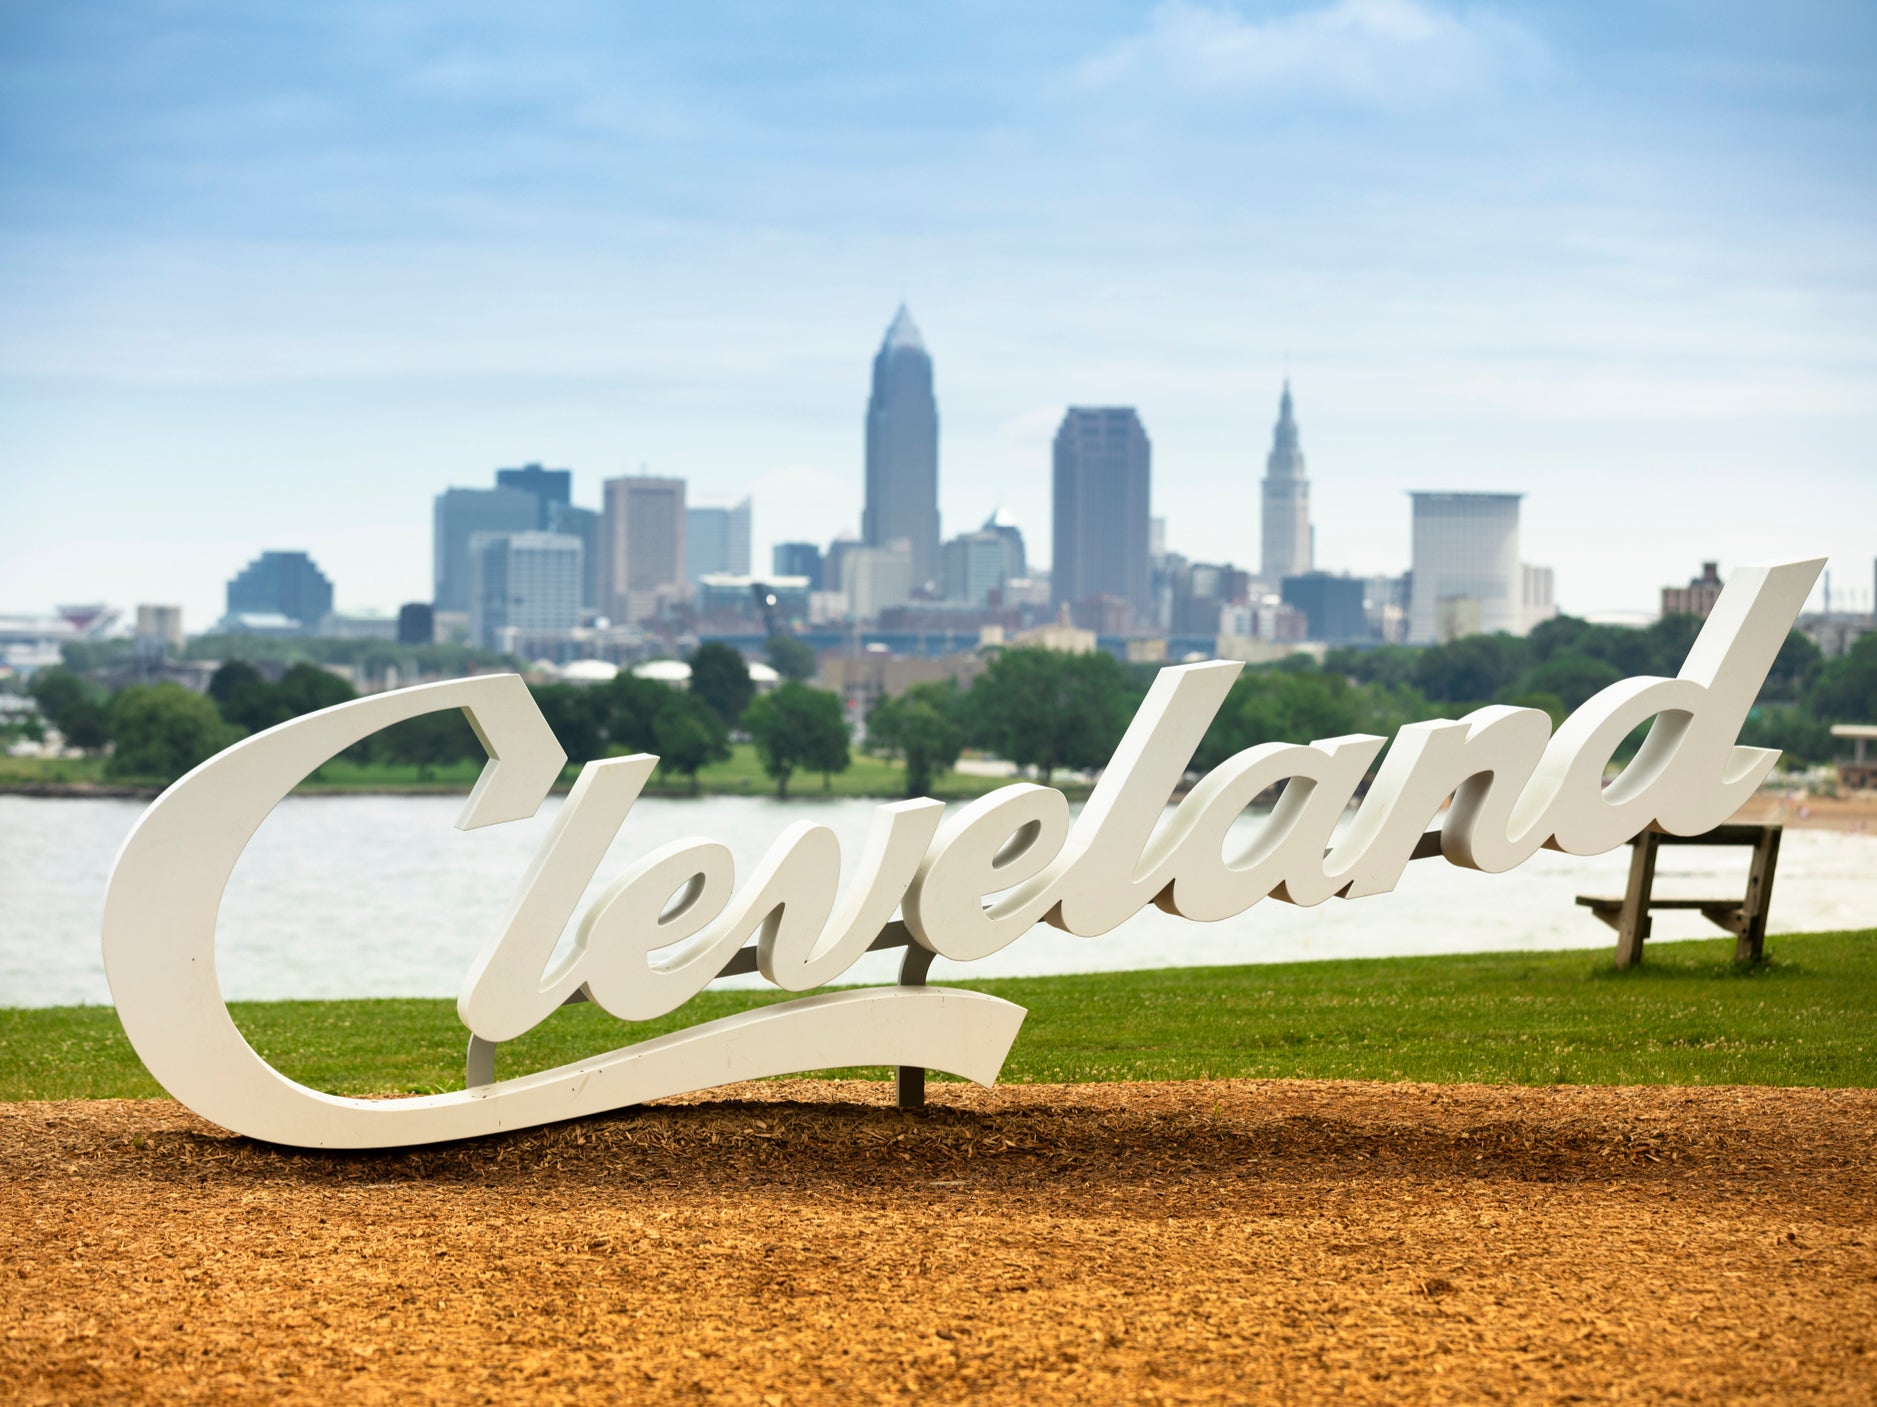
800 1242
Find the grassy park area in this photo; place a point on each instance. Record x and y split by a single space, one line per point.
1808 1016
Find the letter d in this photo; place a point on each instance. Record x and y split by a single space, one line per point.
1709 777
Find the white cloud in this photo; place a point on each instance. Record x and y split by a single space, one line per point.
1366 52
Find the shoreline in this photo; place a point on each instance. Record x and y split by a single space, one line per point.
1855 814
134 791
959 787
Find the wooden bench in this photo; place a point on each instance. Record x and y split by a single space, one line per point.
1745 918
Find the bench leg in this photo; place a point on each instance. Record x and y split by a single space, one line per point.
1632 924
1750 946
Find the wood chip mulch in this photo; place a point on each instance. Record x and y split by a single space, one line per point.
801 1242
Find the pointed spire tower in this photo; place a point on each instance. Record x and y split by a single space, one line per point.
902 449
1288 542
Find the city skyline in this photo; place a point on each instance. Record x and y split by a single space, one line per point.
272 284
534 497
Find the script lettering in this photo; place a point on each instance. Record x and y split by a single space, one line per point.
967 885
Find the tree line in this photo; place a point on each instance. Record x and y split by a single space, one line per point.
1563 661
1049 712
1046 712
157 732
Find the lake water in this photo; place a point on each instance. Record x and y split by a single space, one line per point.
382 896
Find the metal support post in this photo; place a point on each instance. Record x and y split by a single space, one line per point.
909 1080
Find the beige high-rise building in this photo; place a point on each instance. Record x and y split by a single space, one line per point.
162 623
642 536
1288 541
1541 596
876 578
1697 598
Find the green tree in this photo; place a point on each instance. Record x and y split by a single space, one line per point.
1572 678
923 728
1800 737
798 727
628 709
577 714
1844 690
829 737
1386 664
306 688
60 695
74 707
429 741
1271 705
1658 648
87 726
1472 669
163 730
1629 651
1559 635
26 723
244 697
1048 710
1570 656
1549 704
247 700
690 735
1797 661
720 677
791 658
1669 640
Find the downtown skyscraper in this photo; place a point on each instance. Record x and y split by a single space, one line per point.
642 534
1467 578
902 450
1289 543
1103 482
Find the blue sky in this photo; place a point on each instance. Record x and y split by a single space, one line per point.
272 276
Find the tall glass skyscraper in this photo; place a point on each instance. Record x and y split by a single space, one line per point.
801 559
902 450
1289 544
1102 487
526 582
717 540
458 516
551 486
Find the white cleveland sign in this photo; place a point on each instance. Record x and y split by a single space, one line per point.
965 885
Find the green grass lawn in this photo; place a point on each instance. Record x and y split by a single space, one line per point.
1808 1016
27 770
741 775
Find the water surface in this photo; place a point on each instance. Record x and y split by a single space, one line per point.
383 896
